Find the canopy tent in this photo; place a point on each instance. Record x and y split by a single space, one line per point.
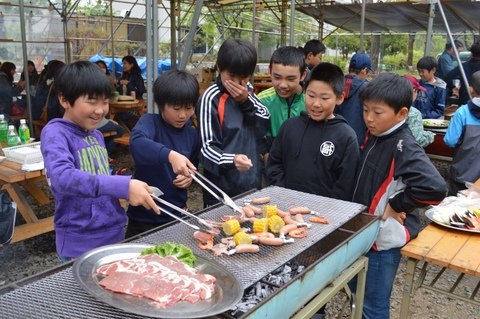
395 17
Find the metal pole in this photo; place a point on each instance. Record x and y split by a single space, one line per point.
431 15
460 66
191 34
25 63
362 26
114 72
173 36
292 23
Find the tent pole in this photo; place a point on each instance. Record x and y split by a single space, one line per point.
460 66
25 64
187 51
431 15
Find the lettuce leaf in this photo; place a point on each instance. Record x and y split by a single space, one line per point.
180 251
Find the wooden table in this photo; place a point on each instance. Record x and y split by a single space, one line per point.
117 107
448 248
11 178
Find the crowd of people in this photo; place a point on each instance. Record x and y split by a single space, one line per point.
316 130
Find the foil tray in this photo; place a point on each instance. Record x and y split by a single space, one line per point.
228 290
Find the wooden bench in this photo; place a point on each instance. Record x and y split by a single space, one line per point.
124 140
109 133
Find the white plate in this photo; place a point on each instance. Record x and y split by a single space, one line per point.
429 213
435 123
228 290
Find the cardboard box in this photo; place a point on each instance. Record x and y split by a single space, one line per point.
204 75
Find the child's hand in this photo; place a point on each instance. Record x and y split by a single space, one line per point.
239 92
139 194
180 164
389 212
242 162
182 181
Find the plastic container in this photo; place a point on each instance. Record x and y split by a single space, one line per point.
24 154
12 137
3 129
24 132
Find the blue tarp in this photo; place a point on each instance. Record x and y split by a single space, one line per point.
162 65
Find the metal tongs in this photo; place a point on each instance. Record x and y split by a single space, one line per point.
156 196
217 192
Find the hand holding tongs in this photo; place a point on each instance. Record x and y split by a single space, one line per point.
218 193
157 192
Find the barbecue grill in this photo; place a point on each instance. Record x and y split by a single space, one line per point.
325 253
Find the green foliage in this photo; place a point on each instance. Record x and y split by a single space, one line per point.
394 44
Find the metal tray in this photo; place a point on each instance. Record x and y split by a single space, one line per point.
429 214
228 290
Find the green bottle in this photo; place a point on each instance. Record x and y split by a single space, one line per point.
3 129
12 137
24 132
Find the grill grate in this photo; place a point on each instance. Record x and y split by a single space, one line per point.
250 268
59 296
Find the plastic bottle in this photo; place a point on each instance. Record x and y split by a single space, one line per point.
24 132
12 137
3 129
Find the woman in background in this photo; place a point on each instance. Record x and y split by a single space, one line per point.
46 93
8 90
111 78
131 78
131 81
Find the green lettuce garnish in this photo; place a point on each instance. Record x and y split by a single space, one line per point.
180 251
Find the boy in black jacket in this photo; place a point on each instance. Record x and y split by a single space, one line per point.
394 178
316 152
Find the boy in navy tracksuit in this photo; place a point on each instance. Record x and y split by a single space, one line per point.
394 178
165 147
432 101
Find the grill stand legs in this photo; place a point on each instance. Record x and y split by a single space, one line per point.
358 268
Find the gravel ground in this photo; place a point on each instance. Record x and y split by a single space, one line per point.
37 254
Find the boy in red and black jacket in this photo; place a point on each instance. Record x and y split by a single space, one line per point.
394 178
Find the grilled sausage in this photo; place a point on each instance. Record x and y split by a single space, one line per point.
247 209
256 210
270 241
287 228
261 200
300 210
246 248
264 234
289 220
282 213
299 218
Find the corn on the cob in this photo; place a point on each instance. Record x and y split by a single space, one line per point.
242 238
269 210
231 227
275 223
260 225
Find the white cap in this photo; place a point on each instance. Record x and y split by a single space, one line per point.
23 121
11 127
2 117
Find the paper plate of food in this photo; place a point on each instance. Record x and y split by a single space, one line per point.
435 123
138 279
457 213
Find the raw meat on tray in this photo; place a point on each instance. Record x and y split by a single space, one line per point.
162 279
